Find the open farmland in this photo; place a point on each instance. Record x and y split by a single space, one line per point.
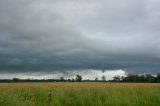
79 94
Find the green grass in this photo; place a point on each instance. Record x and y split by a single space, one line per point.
75 94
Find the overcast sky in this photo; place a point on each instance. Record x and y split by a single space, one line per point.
60 35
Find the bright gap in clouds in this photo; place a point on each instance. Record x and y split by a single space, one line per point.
86 74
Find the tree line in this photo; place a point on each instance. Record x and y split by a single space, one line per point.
61 79
148 78
138 78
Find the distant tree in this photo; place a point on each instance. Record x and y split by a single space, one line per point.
15 79
142 78
73 80
130 78
62 79
158 77
122 78
69 80
96 79
103 78
76 79
139 78
79 78
149 78
28 80
117 78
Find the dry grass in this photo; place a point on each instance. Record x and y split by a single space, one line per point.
80 94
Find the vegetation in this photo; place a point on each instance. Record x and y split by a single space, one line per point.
138 78
79 94
62 79
148 78
103 78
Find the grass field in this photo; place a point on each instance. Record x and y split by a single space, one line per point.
79 94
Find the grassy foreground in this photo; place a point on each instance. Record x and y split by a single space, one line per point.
79 94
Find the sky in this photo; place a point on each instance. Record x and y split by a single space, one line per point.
50 36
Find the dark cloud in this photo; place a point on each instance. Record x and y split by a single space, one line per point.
79 34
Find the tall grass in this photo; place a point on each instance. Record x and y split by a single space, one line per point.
79 94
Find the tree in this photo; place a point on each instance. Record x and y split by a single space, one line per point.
142 78
15 79
158 77
116 78
122 78
73 80
79 78
149 78
103 78
96 79
62 79
69 80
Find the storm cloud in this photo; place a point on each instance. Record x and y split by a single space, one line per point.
51 35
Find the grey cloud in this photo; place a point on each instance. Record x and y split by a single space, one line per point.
81 34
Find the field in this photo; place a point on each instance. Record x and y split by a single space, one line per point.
79 94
